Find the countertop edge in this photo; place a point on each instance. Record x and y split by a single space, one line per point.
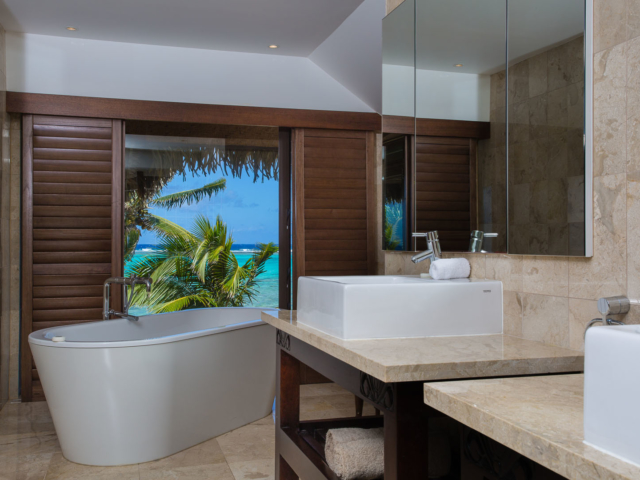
495 368
431 372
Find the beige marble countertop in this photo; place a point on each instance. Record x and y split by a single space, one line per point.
436 358
539 417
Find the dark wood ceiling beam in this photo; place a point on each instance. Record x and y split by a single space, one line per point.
64 105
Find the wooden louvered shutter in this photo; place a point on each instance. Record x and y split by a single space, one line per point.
71 225
445 190
334 208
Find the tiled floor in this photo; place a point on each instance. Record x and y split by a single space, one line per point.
29 448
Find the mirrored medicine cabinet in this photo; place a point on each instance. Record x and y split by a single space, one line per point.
487 126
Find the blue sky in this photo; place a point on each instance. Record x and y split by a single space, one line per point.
249 209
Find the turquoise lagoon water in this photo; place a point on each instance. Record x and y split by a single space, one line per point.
267 282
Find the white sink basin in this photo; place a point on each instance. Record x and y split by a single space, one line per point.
612 390
354 308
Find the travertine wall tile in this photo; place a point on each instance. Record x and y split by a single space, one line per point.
545 319
507 269
610 93
633 232
610 19
512 319
609 135
610 76
633 19
546 276
633 103
581 312
399 263
605 273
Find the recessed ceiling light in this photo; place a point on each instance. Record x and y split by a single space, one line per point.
273 46
72 29
458 65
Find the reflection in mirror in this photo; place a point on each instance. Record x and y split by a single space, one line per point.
460 167
546 127
398 108
398 61
395 190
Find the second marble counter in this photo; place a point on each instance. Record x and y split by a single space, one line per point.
538 417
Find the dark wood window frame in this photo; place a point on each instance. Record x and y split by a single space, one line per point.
117 111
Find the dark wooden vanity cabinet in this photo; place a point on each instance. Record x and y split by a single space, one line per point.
299 447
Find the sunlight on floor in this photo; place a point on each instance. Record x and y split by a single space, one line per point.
29 448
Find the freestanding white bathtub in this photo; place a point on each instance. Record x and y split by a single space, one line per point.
123 392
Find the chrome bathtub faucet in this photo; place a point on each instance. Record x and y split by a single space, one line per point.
130 282
433 248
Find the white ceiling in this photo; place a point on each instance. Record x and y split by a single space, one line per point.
473 33
297 26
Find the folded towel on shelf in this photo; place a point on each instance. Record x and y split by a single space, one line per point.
448 268
355 453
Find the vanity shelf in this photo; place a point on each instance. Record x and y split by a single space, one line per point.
310 437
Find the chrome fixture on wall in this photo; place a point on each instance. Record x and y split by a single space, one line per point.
477 239
614 305
618 305
433 251
130 282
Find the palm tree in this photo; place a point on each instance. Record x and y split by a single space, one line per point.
137 214
193 269
196 269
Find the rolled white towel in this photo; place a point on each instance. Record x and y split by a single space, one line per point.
355 453
448 268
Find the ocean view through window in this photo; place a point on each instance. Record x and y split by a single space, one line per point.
201 218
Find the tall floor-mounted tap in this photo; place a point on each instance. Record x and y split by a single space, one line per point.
129 282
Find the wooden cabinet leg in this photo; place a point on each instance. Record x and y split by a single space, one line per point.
288 391
285 471
406 435
287 405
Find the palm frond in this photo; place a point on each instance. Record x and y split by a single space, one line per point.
166 228
188 197
184 303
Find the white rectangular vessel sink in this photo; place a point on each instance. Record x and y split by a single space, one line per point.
612 390
362 307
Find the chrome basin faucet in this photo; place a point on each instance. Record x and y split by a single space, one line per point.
130 282
433 251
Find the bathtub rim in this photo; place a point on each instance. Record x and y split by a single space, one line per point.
37 337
